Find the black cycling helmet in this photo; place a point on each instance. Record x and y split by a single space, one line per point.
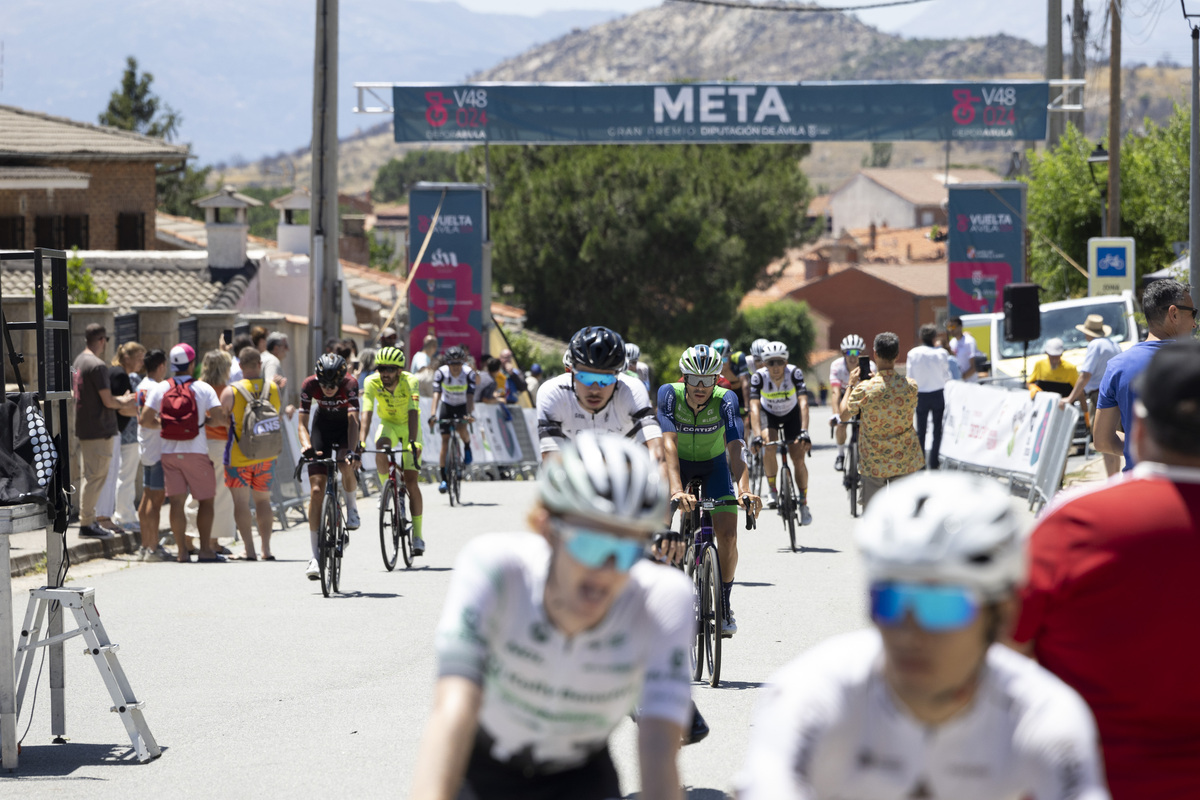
597 348
456 355
331 368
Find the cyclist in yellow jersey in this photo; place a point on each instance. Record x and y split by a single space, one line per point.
393 393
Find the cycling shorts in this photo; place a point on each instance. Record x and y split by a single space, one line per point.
790 422
447 416
396 436
717 480
329 435
489 779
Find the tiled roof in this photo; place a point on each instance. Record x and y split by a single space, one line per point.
35 135
898 246
818 206
23 177
924 186
922 280
191 234
134 278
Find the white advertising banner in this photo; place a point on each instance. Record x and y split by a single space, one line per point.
493 438
996 428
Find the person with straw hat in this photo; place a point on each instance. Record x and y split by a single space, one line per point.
1100 349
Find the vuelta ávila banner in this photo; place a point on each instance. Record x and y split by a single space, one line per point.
446 294
600 113
987 245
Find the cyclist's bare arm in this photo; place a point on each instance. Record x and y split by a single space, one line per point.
352 426
741 475
414 421
670 441
437 398
658 748
803 401
305 442
366 424
755 413
449 737
655 446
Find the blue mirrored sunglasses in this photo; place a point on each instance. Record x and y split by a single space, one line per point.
595 378
935 607
594 549
853 353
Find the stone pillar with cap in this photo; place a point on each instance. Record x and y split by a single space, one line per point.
158 326
211 323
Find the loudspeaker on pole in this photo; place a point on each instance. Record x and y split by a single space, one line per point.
1022 313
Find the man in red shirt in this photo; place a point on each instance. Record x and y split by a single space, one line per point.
1111 602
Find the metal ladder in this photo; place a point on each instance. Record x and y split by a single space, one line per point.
83 605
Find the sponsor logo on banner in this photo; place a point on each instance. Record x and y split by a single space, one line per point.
985 223
998 112
449 224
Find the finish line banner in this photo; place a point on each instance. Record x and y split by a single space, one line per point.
675 113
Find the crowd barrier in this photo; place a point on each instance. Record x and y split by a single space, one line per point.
1007 433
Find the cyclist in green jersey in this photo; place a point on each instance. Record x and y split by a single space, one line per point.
392 393
703 438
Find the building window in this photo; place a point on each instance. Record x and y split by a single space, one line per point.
12 233
75 231
926 219
131 231
47 232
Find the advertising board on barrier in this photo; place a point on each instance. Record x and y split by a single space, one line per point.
995 428
493 437
665 113
451 286
987 245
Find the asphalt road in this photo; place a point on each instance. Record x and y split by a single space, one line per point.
256 685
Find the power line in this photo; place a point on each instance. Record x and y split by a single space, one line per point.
796 8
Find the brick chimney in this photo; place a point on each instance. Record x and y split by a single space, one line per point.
291 236
816 266
226 227
872 247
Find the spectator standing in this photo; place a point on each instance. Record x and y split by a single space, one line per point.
514 379
387 337
258 338
150 452
1100 350
487 388
964 348
95 424
942 341
887 443
180 408
249 478
240 343
366 364
272 357
929 366
1052 373
115 507
424 358
533 380
1112 581
214 370
1170 315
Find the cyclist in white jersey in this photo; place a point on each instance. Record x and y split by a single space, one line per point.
547 639
926 704
453 406
596 396
853 346
778 392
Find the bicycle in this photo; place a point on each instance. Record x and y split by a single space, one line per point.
454 459
852 479
395 526
754 463
788 504
704 568
331 535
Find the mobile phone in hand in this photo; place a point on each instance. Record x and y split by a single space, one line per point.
227 336
864 368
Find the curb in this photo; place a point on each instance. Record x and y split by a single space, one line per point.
120 544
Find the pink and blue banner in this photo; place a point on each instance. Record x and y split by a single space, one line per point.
987 245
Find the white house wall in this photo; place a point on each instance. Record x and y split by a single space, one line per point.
862 201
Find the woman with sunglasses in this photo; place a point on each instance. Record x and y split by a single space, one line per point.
596 395
547 639
926 703
703 439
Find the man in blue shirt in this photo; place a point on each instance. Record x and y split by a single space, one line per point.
1170 315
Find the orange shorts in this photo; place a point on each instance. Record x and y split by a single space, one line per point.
256 477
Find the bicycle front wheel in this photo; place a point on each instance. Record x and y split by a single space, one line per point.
452 467
713 614
855 480
389 521
756 473
787 505
326 547
403 532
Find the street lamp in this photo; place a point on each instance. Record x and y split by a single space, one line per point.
1194 192
1097 157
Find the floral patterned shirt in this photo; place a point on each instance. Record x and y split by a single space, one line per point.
887 443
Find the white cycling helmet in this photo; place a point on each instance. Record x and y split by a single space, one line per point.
632 354
700 360
774 350
756 347
567 363
944 527
607 478
853 342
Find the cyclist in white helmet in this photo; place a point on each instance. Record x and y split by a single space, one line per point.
636 368
926 704
548 638
778 393
754 360
852 347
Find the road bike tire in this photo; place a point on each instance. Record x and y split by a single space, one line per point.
714 615
339 540
326 550
787 505
389 523
452 467
855 480
756 473
404 533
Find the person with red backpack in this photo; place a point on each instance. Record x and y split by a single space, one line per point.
180 408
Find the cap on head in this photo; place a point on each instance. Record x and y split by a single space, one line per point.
1054 347
535 369
182 354
944 527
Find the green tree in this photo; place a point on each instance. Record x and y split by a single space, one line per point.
81 284
381 252
881 155
527 353
394 178
657 242
1064 202
134 106
782 321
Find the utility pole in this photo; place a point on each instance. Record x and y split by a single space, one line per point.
1054 67
325 301
1079 30
1114 122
